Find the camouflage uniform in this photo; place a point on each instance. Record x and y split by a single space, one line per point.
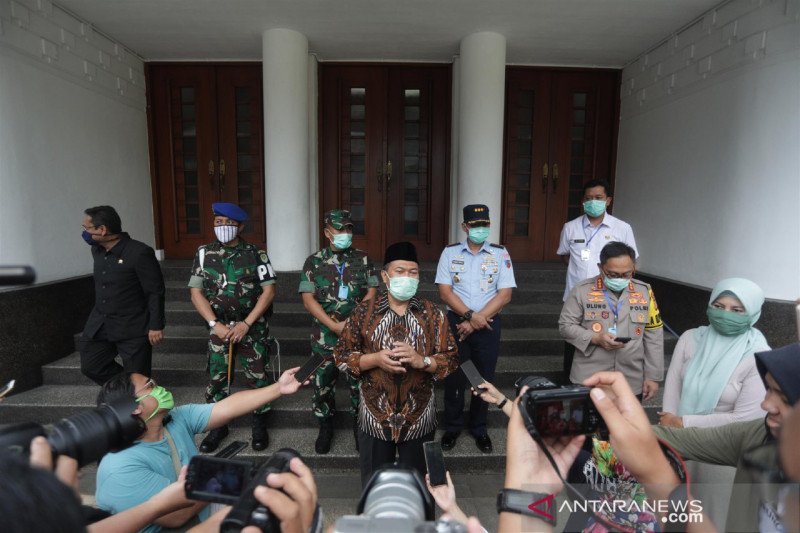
232 279
321 277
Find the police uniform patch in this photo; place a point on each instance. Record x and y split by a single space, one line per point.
640 317
597 327
638 331
604 314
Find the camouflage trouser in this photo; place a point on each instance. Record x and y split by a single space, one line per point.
323 402
253 354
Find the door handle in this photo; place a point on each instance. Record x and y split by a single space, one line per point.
379 176
555 176
211 172
388 175
545 172
221 175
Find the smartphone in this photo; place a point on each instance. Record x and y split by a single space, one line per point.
308 368
623 340
434 460
473 376
8 387
560 412
214 479
231 449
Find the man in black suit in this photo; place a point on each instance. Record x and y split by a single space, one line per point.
128 314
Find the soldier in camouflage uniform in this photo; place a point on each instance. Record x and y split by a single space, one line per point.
333 281
232 287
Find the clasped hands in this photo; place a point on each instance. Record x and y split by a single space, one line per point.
401 355
476 322
232 334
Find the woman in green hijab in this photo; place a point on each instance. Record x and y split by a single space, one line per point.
712 379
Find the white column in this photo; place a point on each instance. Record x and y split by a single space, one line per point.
285 64
481 85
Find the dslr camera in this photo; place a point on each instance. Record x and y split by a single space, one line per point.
86 436
549 410
232 482
396 500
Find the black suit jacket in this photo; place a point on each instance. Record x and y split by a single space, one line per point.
129 291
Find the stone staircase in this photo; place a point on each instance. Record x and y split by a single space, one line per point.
530 345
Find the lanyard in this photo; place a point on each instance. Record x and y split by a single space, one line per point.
593 234
611 306
340 270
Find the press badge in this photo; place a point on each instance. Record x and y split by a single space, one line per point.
343 292
586 254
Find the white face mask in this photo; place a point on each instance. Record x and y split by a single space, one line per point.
226 234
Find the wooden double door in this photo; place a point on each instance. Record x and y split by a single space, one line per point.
384 153
560 132
206 127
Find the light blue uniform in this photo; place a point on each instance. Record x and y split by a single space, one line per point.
134 475
475 278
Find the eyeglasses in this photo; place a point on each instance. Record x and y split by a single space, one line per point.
87 228
150 385
617 275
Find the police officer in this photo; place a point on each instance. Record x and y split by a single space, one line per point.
232 287
475 280
333 281
614 324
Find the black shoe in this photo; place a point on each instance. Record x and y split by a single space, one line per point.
355 432
323 443
484 443
449 440
260 435
212 440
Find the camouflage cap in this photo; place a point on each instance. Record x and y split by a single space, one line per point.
338 218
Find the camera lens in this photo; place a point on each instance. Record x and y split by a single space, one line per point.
89 435
395 494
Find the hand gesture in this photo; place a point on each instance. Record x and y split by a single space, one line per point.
649 389
464 329
489 394
389 362
287 383
238 331
606 341
407 355
155 336
221 330
478 321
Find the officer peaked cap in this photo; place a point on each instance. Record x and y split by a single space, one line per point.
232 211
476 213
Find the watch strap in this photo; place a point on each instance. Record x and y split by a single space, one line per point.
524 502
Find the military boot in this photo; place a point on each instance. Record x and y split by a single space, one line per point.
323 443
212 440
260 435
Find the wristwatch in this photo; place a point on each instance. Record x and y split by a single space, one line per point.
467 316
212 323
426 361
523 502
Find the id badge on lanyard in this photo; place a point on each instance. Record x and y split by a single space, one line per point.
344 290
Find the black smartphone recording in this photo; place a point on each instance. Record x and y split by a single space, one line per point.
308 368
471 373
434 459
623 340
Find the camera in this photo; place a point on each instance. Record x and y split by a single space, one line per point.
86 436
232 482
552 411
396 500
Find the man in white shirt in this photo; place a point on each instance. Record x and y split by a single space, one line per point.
584 237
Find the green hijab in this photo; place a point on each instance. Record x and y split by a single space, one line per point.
716 356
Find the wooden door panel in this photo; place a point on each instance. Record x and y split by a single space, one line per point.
418 118
185 144
241 142
527 164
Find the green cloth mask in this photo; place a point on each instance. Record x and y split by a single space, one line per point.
162 396
728 323
403 288
616 284
594 208
478 235
342 241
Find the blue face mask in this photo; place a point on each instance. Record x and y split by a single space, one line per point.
615 284
594 208
342 241
479 235
403 288
88 238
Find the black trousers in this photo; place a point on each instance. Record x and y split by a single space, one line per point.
569 354
98 353
482 348
375 453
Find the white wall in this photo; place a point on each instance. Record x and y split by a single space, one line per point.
73 134
708 170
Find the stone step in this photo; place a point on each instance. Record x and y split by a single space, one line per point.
534 293
186 369
293 314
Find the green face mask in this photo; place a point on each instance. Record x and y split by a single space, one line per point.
162 396
728 323
615 284
403 288
342 241
594 208
478 235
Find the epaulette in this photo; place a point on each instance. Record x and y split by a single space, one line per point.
493 245
454 244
